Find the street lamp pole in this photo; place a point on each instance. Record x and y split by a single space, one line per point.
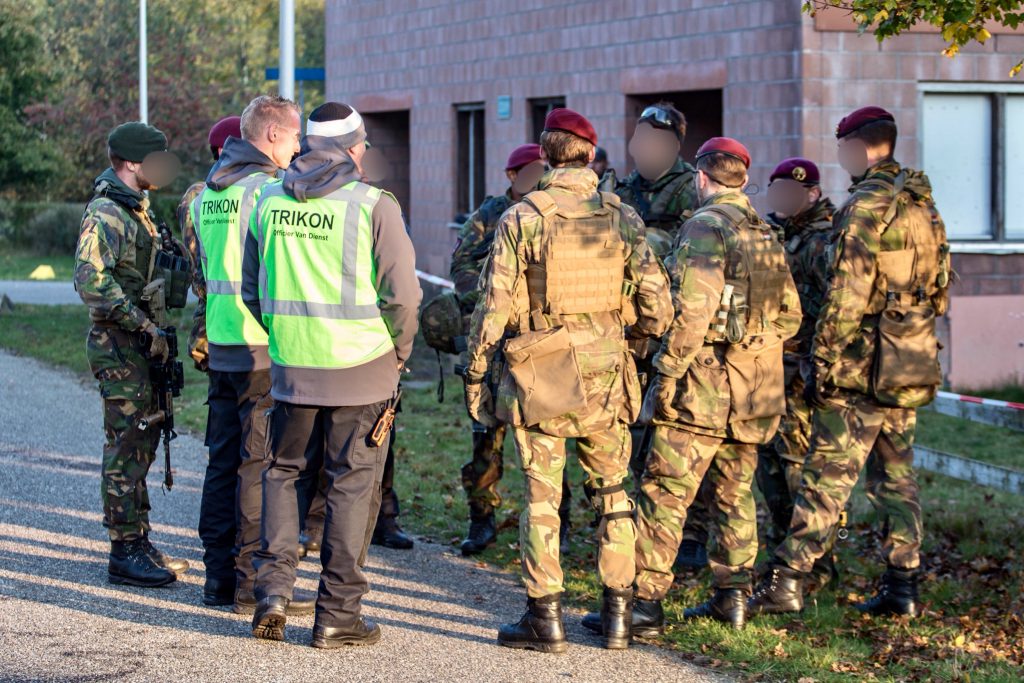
143 84
286 45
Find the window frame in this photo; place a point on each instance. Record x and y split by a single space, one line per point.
471 109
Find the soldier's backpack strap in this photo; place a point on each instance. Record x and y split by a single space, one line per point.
542 202
897 190
729 212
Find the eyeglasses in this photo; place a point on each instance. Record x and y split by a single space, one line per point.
658 117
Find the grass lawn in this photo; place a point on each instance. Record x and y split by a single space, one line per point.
973 629
17 264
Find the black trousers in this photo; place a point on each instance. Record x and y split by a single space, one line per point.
314 521
229 512
304 439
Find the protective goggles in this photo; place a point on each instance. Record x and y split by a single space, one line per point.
658 117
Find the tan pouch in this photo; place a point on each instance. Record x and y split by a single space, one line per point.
906 372
757 384
547 374
898 268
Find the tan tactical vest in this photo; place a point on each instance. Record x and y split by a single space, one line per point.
755 275
582 264
134 277
919 273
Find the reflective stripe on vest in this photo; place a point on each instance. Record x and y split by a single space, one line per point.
221 220
316 278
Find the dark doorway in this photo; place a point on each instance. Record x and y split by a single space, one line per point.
470 160
389 132
539 110
702 108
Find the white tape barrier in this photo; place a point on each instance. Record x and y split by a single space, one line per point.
965 469
986 410
435 280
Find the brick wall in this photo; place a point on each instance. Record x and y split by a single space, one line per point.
390 55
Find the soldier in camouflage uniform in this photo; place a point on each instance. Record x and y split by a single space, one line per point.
568 271
663 192
719 389
803 219
480 476
874 360
115 261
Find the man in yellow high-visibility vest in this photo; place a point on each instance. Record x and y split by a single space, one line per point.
329 270
261 142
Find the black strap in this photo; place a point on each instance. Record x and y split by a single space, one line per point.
621 514
440 378
614 488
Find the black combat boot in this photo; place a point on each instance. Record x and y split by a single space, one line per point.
780 591
540 629
727 605
388 534
270 617
300 604
217 593
648 619
176 565
617 618
310 540
131 565
692 556
482 532
361 633
897 594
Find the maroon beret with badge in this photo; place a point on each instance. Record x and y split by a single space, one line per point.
733 148
225 128
570 122
521 156
861 118
796 168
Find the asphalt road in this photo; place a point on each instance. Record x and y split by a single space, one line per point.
62 621
40 292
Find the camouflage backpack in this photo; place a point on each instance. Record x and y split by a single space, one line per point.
441 323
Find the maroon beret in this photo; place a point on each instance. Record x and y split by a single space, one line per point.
796 168
570 122
861 118
225 128
521 156
733 148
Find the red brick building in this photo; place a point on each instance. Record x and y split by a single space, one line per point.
448 88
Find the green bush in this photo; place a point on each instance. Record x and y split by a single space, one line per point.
44 228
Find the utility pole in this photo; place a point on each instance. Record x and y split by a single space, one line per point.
286 47
143 84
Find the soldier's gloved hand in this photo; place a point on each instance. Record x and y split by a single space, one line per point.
156 342
664 390
480 403
199 347
814 385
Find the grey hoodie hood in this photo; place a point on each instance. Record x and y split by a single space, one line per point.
322 167
238 159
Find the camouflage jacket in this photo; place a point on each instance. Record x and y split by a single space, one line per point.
609 376
844 338
191 241
698 270
664 204
808 237
472 248
118 230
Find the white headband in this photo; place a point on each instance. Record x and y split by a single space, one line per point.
336 128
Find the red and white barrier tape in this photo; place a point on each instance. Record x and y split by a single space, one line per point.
950 396
435 280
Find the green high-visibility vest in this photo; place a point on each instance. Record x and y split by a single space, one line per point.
316 278
221 220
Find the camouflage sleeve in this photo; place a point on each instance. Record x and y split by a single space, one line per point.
505 269
643 268
100 246
465 268
191 239
698 278
790 316
854 268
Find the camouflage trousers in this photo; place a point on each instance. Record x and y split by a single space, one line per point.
115 357
845 433
480 476
679 461
604 456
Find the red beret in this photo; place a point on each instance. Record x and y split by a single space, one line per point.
225 128
801 170
569 121
733 148
861 118
521 156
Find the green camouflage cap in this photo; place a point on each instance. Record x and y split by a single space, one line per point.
132 141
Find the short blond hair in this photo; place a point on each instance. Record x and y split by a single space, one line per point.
723 169
263 111
565 149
